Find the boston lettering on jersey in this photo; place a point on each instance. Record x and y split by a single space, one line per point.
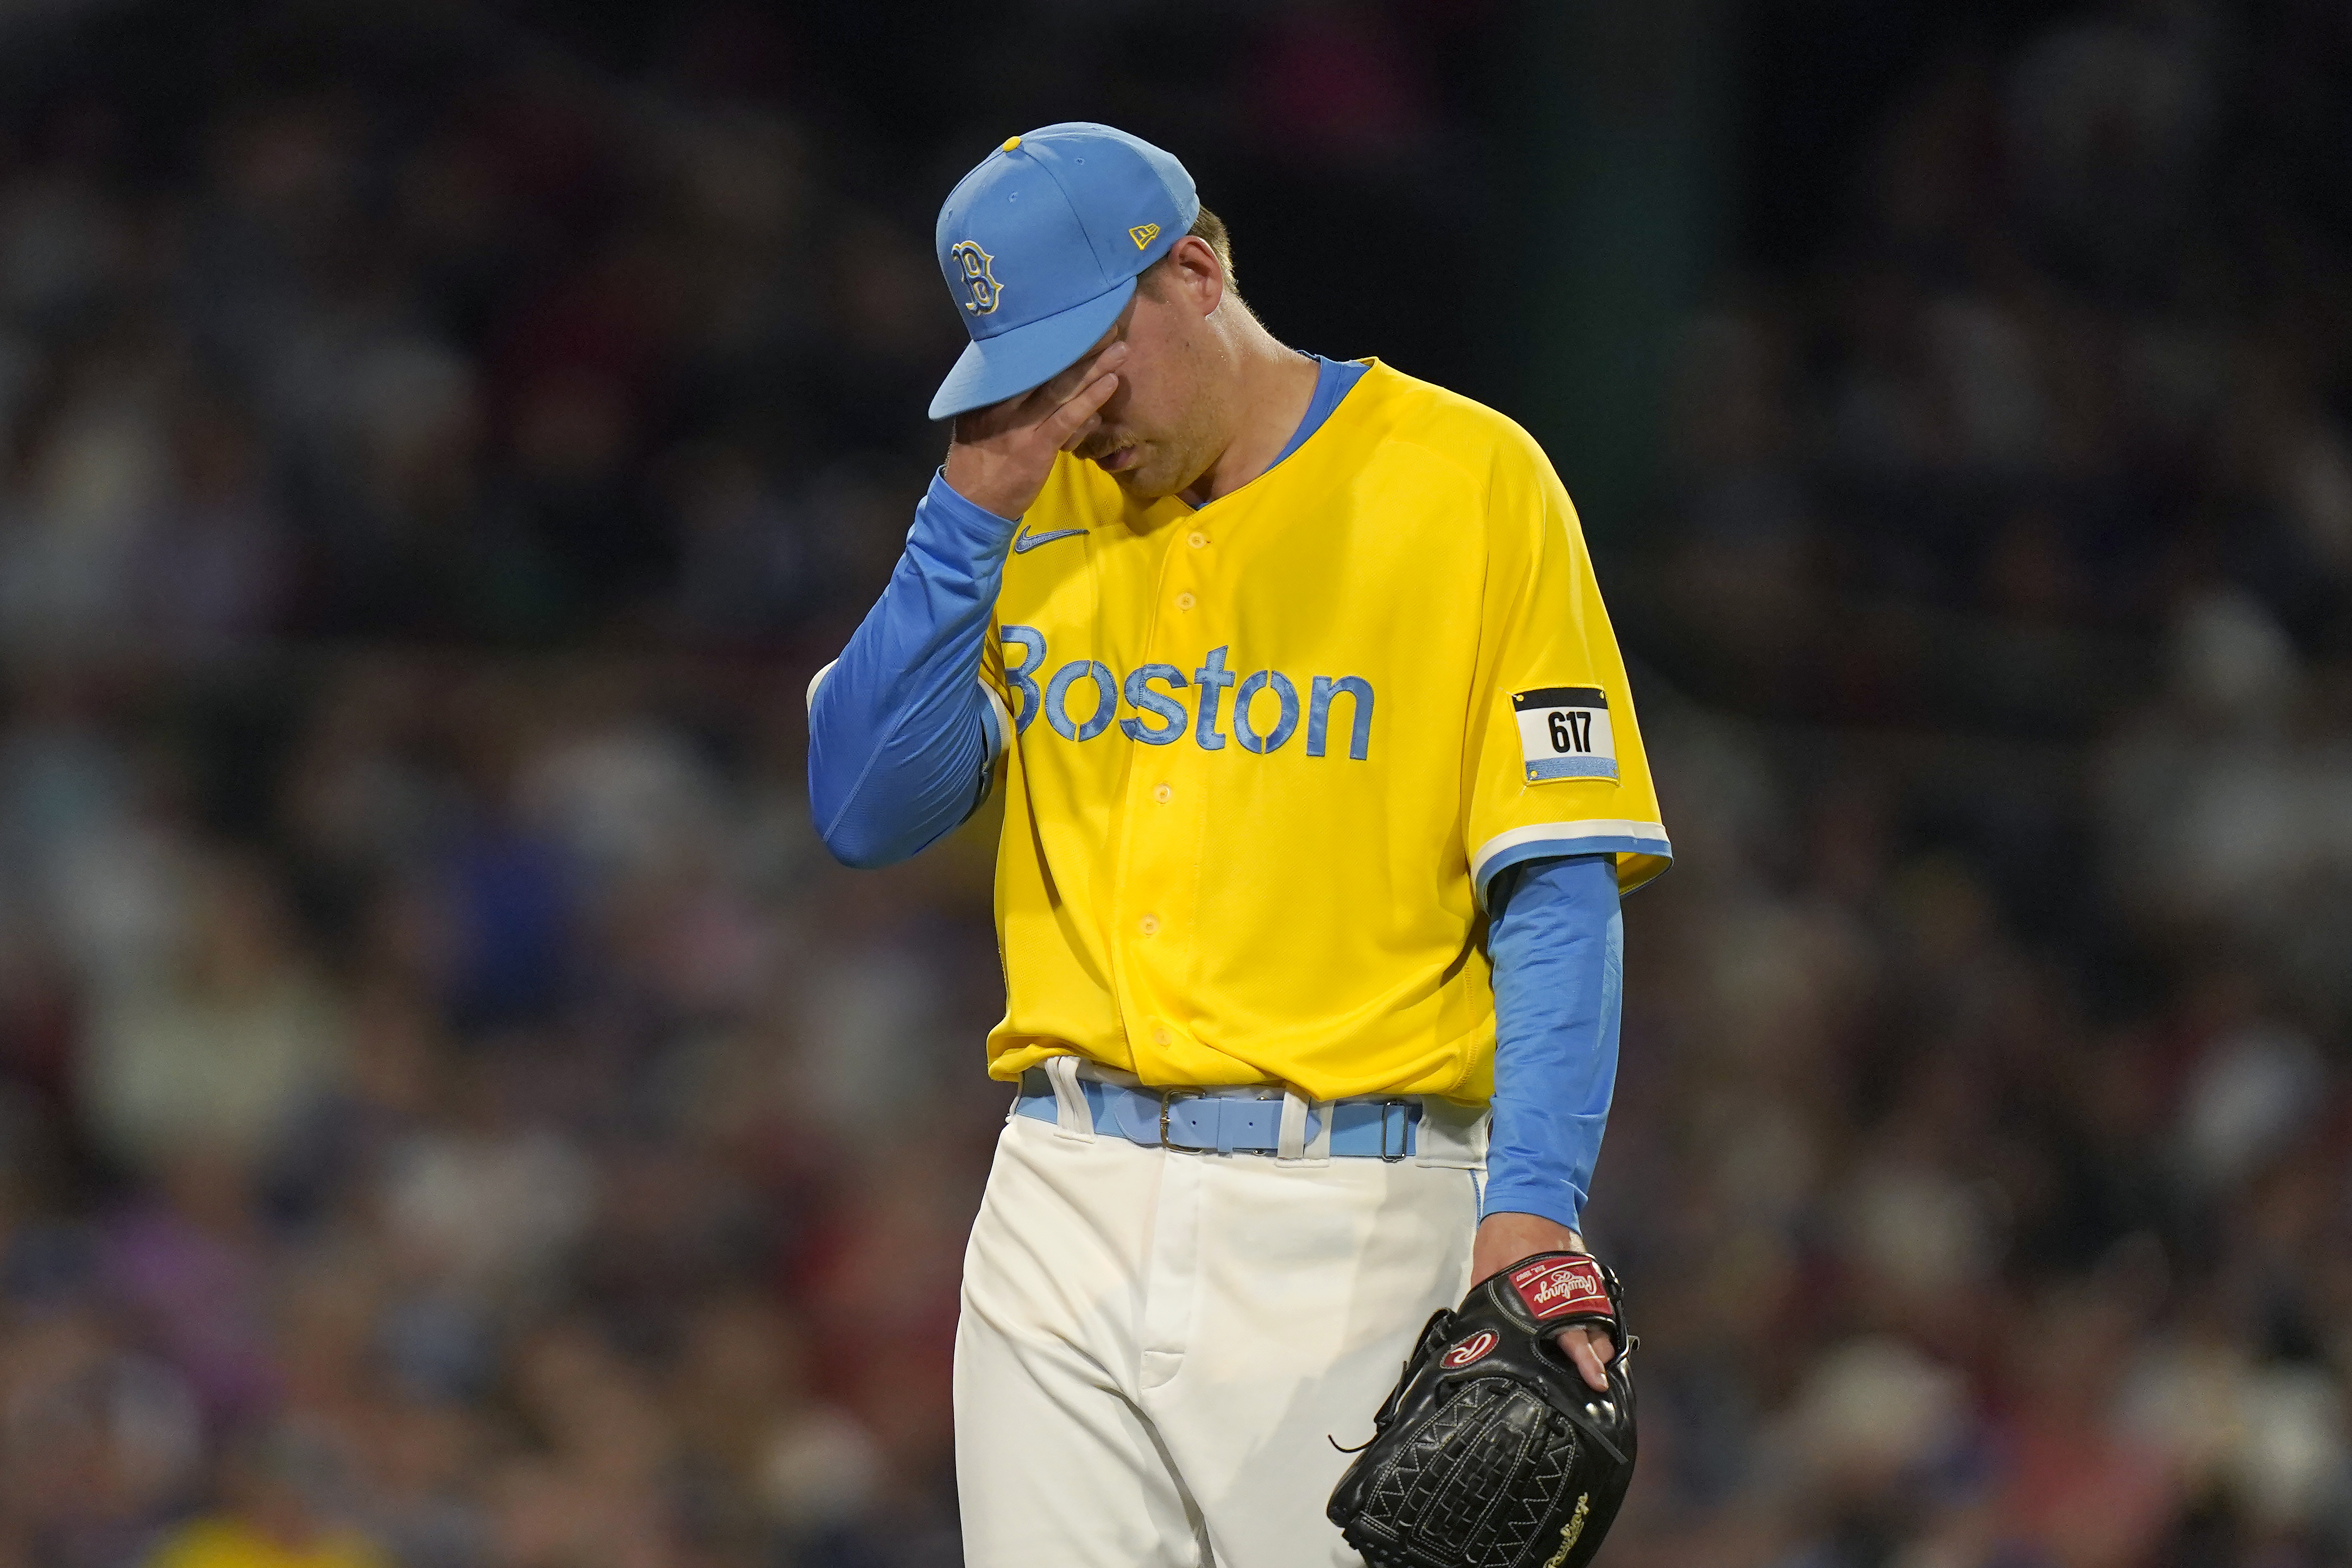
1161 716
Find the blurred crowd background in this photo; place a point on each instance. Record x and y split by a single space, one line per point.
452 1116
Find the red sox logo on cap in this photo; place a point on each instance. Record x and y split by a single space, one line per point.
979 279
1469 1350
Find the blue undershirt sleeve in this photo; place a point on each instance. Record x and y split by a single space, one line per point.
1558 945
902 735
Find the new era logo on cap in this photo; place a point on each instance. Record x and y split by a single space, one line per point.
1041 246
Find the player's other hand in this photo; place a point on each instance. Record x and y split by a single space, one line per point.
999 456
1502 1241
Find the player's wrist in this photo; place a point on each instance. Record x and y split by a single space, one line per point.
1505 1236
972 484
1532 1222
961 527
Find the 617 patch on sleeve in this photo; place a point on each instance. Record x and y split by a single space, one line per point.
1564 733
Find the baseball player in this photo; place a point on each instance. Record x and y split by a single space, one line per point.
1321 785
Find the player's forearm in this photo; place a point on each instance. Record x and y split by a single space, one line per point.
901 737
1556 947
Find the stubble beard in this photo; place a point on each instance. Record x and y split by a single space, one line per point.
1169 466
1153 479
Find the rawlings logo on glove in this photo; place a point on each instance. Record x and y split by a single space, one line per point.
1555 1287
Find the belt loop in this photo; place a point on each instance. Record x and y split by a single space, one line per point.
1319 1138
1291 1139
1072 1117
1451 1135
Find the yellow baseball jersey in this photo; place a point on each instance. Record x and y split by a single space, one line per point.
1264 757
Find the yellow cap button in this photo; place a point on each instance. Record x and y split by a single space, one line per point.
1010 143
1185 601
1198 539
1148 925
1163 794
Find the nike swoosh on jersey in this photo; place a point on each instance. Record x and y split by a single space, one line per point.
1024 541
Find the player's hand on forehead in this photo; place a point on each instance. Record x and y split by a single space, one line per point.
1039 403
1066 385
1000 456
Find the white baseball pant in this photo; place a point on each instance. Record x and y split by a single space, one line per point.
1157 1346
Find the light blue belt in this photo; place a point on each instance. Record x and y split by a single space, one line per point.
1228 1122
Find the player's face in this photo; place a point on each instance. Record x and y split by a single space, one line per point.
1160 430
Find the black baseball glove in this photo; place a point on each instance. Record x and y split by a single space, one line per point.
1492 1451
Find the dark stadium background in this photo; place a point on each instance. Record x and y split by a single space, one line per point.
453 1116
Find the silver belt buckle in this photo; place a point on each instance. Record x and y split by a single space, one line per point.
1166 1097
1404 1138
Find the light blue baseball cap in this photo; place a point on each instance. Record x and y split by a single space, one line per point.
1041 246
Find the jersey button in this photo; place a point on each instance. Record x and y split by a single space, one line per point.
1162 1037
1163 794
1198 540
1148 925
1184 602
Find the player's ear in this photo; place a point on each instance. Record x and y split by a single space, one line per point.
1193 274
